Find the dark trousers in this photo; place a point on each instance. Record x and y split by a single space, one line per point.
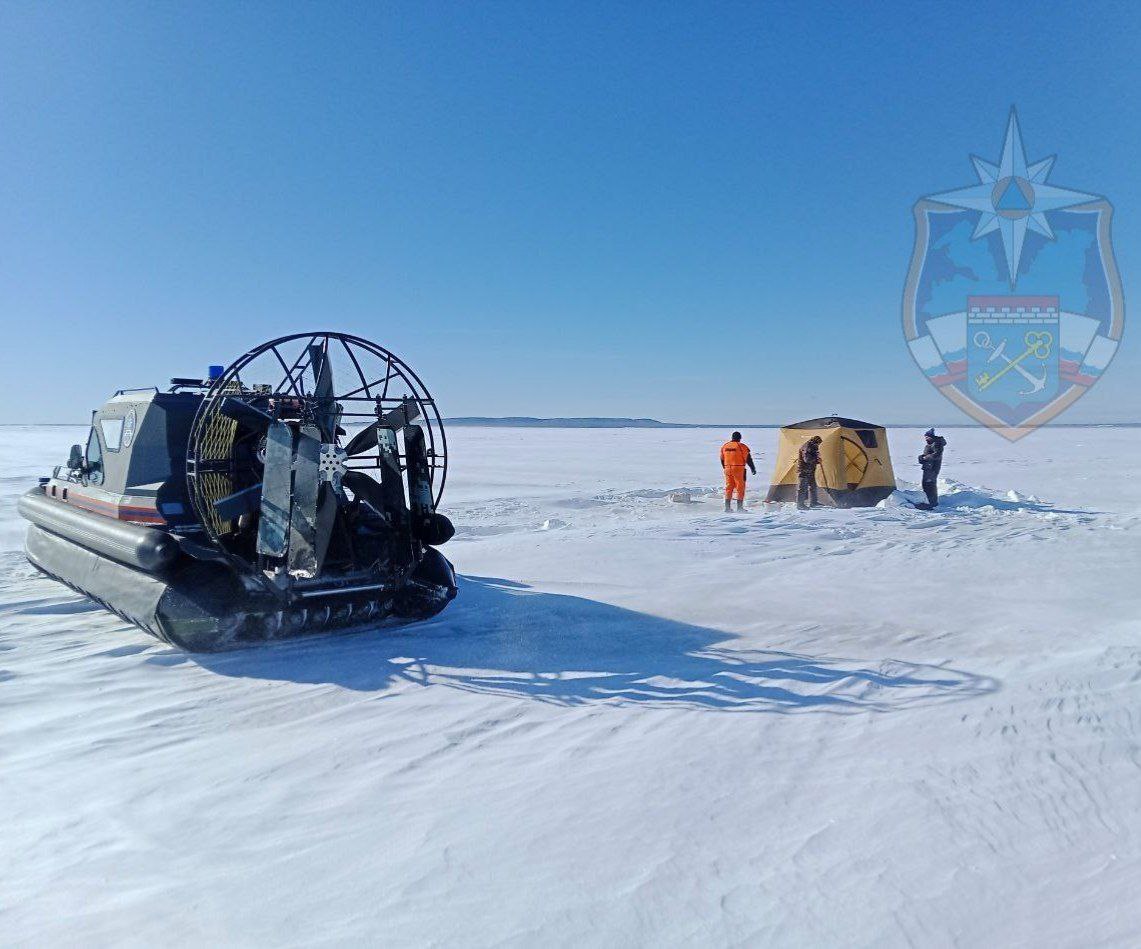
931 489
806 491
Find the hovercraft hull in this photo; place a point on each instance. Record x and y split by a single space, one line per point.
203 605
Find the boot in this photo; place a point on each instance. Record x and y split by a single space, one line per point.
740 505
726 505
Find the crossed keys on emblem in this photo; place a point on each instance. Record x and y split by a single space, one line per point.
1037 345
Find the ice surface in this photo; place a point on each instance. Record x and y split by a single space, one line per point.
641 723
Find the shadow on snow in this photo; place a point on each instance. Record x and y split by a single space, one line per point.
503 638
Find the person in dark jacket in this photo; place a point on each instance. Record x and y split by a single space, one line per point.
931 461
806 461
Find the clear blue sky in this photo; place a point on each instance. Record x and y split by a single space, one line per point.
687 211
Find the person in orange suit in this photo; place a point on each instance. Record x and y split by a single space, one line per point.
735 455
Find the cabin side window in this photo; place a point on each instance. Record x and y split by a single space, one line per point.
112 434
112 429
94 458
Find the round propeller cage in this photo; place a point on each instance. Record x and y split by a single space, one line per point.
366 386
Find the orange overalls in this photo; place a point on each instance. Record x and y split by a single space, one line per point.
734 457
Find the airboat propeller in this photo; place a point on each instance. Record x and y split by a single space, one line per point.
299 483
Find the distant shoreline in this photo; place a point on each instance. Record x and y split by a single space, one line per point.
590 422
525 421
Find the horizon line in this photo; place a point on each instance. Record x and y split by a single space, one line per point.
491 421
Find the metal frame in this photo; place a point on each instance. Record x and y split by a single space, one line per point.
372 392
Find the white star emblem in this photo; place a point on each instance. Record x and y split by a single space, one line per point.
1013 197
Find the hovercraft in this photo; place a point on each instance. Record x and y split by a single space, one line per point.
239 508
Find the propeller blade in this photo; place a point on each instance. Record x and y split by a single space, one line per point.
306 495
392 483
428 526
319 363
362 441
404 414
326 517
387 496
328 411
276 491
366 489
419 476
366 438
245 413
240 502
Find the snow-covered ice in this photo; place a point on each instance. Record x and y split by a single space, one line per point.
643 722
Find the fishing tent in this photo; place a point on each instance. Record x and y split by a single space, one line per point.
855 466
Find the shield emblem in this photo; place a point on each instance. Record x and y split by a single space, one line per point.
1013 305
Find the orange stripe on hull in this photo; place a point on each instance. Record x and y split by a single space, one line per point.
120 512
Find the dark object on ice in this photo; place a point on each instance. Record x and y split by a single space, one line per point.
931 460
227 510
854 468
